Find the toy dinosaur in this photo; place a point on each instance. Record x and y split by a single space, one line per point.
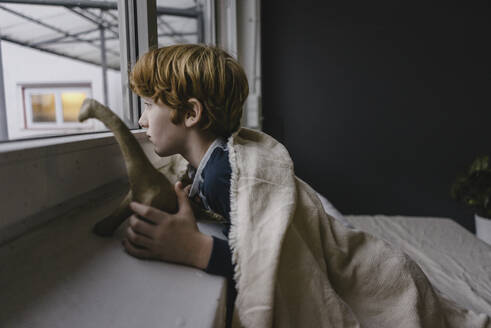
147 185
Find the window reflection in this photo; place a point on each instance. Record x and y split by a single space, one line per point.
71 102
43 108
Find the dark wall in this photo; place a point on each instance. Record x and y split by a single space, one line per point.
381 105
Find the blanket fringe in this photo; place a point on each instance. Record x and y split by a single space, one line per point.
234 232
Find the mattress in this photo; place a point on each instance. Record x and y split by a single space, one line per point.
455 261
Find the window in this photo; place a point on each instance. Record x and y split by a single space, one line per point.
47 41
53 53
55 106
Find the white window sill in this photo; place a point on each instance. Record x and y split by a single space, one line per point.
62 275
20 149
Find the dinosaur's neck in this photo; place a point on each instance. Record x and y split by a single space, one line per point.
137 164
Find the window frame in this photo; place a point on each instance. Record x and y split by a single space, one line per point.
137 36
137 23
3 108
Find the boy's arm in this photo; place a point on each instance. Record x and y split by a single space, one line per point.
203 247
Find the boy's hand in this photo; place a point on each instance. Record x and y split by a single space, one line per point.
169 237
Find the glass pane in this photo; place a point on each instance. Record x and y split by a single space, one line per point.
43 108
174 29
52 49
71 102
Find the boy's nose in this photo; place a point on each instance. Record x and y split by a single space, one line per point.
143 121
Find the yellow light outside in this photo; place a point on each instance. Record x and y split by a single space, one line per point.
71 102
43 108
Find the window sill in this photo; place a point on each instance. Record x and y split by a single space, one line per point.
16 150
63 275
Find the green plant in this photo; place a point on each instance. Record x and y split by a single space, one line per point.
474 188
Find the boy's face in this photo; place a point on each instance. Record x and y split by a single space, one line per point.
167 137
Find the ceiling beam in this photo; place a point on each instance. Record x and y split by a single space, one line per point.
96 20
64 37
87 61
191 12
53 28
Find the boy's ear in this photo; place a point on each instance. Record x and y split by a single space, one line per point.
193 116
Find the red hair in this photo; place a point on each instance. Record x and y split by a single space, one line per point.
174 74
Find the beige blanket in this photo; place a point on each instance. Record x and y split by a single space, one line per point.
297 267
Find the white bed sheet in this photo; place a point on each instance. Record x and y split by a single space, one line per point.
455 261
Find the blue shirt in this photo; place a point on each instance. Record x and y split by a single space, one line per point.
211 182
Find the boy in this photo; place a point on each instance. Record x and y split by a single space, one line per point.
193 96
293 265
